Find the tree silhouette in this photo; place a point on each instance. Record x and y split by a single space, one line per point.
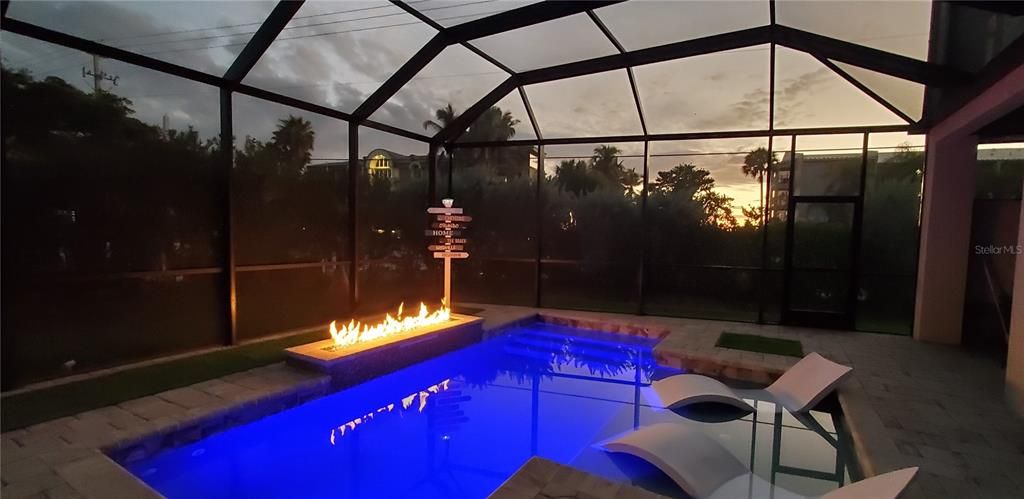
442 118
753 215
755 165
717 210
573 176
685 179
293 140
606 164
494 125
685 183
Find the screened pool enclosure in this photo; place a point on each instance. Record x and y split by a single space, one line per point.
180 175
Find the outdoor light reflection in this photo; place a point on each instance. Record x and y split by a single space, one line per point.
407 402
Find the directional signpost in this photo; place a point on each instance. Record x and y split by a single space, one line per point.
447 225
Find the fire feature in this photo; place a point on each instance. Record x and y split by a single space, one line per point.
357 332
356 351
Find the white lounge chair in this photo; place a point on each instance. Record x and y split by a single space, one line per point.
799 389
706 470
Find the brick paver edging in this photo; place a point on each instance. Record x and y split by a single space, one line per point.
78 456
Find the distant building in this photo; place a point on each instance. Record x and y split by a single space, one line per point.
381 163
999 174
819 175
510 162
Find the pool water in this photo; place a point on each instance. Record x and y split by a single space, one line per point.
459 425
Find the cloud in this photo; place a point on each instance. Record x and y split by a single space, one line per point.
792 98
338 60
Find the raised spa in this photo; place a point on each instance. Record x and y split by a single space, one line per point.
460 424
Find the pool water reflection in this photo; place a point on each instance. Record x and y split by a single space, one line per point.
460 424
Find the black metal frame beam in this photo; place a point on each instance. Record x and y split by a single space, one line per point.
529 113
661 53
821 47
398 80
539 211
864 88
1012 57
880 61
285 100
56 37
260 42
766 193
522 17
441 29
629 70
354 177
624 60
465 32
689 136
102 50
227 153
645 239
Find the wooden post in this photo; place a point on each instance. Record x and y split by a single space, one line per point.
446 226
448 283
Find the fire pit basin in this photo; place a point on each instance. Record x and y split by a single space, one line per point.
350 364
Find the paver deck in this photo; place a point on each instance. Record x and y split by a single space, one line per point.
908 404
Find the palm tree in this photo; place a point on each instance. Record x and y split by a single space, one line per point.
572 175
755 165
606 162
493 125
443 117
294 140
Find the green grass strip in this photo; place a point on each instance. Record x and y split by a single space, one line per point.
29 408
760 344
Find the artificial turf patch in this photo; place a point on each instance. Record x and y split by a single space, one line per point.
760 344
45 404
25 409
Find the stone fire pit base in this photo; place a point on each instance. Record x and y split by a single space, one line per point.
358 363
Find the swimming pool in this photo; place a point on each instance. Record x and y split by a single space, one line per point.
460 424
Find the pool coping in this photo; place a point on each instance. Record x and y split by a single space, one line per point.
101 442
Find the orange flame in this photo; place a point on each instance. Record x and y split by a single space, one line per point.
357 332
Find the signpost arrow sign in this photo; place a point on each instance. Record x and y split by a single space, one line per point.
447 226
454 218
444 211
447 254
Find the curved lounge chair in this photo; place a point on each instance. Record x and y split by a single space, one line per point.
706 470
798 389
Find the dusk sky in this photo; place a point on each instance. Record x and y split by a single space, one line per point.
336 53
